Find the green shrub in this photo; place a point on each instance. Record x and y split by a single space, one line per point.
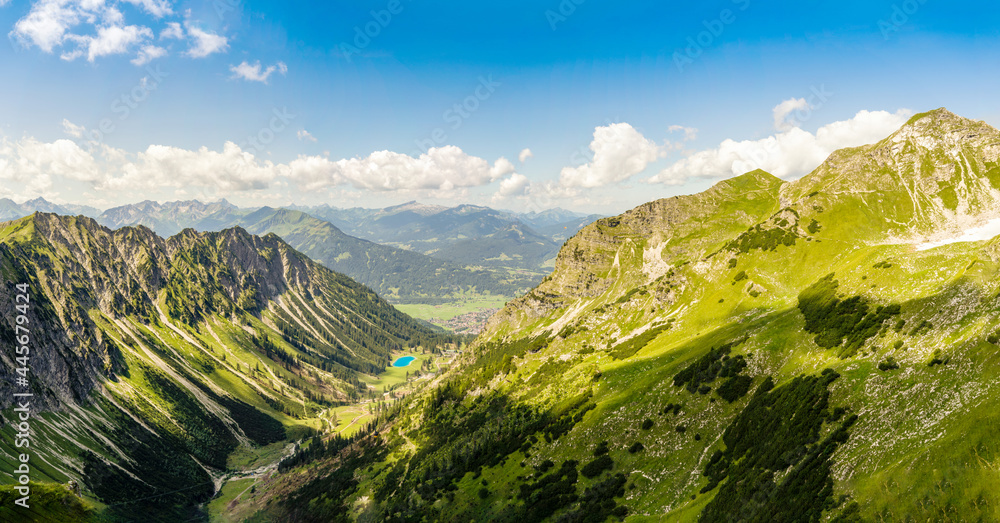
716 363
734 388
888 364
835 321
597 466
778 431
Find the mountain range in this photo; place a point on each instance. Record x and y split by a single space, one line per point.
466 234
10 210
823 349
448 255
817 350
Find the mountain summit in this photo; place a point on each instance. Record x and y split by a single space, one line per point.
938 174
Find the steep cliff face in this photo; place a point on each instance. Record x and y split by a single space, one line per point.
642 245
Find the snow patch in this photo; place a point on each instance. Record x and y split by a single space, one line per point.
974 234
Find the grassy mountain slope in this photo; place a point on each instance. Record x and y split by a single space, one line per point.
159 366
763 351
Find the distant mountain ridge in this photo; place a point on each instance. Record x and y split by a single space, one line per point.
168 219
414 253
399 275
10 210
468 234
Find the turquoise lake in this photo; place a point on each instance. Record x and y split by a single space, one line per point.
403 362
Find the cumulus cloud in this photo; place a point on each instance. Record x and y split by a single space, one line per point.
229 170
109 41
444 172
204 43
148 53
440 168
305 136
788 154
515 185
173 31
52 24
36 163
620 152
524 155
786 108
46 25
255 73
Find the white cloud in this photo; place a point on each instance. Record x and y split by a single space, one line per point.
255 73
173 31
788 154
440 168
36 163
52 24
110 40
516 185
229 170
46 24
305 136
70 128
148 53
444 172
786 108
157 8
620 152
205 43
524 155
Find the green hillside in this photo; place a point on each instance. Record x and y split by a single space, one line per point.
763 351
161 368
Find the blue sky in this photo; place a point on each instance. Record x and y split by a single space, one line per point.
618 102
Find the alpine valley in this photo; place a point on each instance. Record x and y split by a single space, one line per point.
825 349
